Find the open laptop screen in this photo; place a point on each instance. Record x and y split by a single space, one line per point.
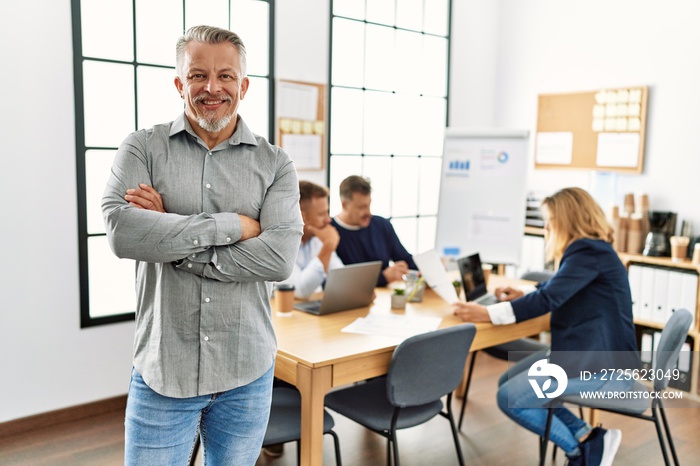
472 276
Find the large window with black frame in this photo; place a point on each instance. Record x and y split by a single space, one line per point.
389 70
124 70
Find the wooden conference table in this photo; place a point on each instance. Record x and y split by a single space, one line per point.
315 356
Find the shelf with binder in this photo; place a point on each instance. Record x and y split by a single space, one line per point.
659 286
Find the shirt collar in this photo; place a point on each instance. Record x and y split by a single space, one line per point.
242 135
346 226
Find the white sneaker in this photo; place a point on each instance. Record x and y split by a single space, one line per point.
611 442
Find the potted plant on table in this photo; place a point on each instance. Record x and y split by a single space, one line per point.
458 287
398 299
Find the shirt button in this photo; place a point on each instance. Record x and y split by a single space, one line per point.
189 266
218 267
194 255
206 338
195 242
206 300
228 239
208 185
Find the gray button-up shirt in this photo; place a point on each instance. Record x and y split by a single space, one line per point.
203 326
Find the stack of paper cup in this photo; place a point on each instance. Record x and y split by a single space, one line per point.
642 209
629 204
616 223
635 235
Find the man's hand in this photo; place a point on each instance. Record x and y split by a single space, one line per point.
250 228
395 272
507 293
328 235
471 312
145 197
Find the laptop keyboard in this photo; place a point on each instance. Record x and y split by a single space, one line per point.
488 300
309 306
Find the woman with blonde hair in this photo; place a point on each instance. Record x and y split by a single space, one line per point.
591 326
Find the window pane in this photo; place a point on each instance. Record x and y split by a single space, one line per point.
108 90
346 121
349 8
98 164
428 186
432 111
437 16
379 124
379 68
409 14
158 26
426 233
341 167
209 12
158 99
254 108
403 117
435 60
249 19
377 169
348 53
107 29
381 11
409 77
406 229
112 289
404 186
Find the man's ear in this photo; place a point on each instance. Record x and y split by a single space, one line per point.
244 87
179 86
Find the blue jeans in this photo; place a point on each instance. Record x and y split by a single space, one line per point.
161 430
517 399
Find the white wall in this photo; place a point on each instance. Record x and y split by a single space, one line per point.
504 54
47 362
546 46
302 50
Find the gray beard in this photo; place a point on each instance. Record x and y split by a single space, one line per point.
212 125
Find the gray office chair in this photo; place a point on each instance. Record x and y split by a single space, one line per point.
285 421
423 369
672 338
517 349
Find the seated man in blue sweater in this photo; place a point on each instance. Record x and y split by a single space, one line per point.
365 237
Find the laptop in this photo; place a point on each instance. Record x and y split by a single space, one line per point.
346 288
473 281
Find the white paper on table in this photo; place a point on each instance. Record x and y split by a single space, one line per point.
393 325
433 271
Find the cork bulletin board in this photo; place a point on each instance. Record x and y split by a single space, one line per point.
301 122
595 130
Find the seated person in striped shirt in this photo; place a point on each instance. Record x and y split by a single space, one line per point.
318 243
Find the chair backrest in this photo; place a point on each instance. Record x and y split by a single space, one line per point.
426 367
539 276
672 338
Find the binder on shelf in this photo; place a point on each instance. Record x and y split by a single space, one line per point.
634 273
646 294
675 293
646 347
685 359
689 295
660 296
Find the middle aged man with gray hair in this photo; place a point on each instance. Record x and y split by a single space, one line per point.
209 212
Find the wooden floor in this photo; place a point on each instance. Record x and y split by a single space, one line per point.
488 438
